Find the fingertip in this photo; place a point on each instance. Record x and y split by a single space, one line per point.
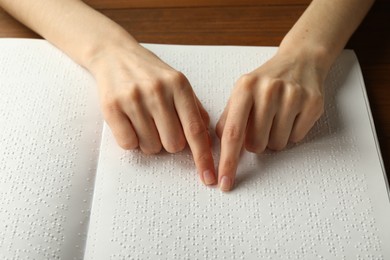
128 144
226 183
227 171
209 177
205 166
296 138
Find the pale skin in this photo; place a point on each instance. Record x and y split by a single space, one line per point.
150 106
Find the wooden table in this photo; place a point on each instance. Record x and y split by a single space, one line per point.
248 22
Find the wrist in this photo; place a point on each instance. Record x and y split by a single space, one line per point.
303 50
102 45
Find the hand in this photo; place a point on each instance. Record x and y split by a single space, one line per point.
149 105
276 103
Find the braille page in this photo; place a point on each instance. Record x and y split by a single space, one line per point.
325 198
49 139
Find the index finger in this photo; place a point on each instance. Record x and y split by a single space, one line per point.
233 134
195 132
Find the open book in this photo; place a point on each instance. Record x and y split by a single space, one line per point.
67 191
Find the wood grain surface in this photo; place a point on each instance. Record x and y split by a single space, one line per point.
248 22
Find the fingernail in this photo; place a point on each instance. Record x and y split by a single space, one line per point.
225 183
208 177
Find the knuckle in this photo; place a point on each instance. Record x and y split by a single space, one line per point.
110 106
293 95
232 133
176 146
271 87
182 88
132 95
275 84
203 159
196 128
246 82
177 79
246 79
293 91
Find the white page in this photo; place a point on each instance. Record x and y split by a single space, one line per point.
50 128
325 198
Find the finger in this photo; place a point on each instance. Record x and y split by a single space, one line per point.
281 130
221 122
306 120
169 128
195 132
233 137
145 128
122 130
284 119
205 116
259 125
